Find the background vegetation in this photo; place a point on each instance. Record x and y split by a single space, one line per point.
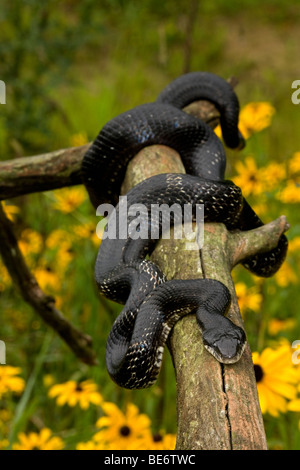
71 66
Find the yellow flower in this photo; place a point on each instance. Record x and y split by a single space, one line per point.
272 175
65 255
294 405
61 242
9 382
88 231
290 194
30 242
276 378
69 199
275 325
5 420
294 164
57 237
122 430
90 445
248 297
249 177
4 443
294 245
42 441
218 131
5 415
157 441
285 275
254 117
47 278
11 211
73 393
79 139
5 279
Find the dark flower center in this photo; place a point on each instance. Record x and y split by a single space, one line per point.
253 178
125 431
259 373
79 388
157 437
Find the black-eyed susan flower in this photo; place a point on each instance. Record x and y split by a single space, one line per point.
5 279
294 405
69 199
9 380
11 211
249 298
286 275
249 177
275 325
58 237
156 441
30 242
121 430
61 244
276 378
87 231
44 440
290 194
47 278
294 164
5 420
254 117
91 445
272 175
72 393
294 245
4 443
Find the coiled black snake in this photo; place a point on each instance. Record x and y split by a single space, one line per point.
153 304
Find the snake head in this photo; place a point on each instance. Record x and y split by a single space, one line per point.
227 345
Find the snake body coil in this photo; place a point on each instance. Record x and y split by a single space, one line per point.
152 304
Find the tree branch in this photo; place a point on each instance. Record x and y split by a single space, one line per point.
45 172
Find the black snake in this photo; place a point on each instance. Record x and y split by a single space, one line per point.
153 304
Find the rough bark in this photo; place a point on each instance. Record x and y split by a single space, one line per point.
45 172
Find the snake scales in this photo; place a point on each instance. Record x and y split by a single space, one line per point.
153 304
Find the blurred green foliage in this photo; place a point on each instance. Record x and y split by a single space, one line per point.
69 67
